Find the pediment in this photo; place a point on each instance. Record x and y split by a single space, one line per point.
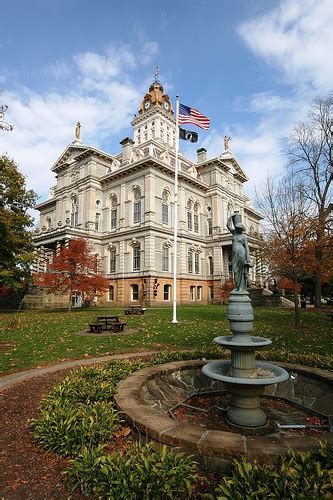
234 167
68 156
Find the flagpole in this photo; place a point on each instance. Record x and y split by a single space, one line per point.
175 231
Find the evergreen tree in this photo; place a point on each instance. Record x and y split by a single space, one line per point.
16 247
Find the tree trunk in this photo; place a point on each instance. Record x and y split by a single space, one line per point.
70 300
317 279
297 314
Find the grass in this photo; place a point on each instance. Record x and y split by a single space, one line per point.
35 338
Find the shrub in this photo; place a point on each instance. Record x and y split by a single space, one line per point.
64 429
298 476
139 473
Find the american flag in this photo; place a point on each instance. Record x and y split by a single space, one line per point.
191 115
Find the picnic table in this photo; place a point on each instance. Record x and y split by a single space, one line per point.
107 323
134 310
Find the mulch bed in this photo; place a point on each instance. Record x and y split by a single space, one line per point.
28 471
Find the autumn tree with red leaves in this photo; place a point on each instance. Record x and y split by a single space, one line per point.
288 241
75 267
309 151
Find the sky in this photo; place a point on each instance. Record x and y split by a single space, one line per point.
252 66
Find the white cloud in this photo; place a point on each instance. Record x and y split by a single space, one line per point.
258 151
297 37
100 93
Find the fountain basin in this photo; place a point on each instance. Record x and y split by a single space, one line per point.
251 342
219 370
147 397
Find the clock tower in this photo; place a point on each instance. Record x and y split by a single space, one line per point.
155 119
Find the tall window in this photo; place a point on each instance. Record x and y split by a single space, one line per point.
137 205
97 222
196 218
189 221
111 292
190 261
166 292
112 260
211 292
192 291
165 207
165 213
196 223
136 258
196 263
199 292
189 216
74 211
113 218
165 258
135 292
113 212
210 265
210 226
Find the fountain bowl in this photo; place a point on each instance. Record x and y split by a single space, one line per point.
146 399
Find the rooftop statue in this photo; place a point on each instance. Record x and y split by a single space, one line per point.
240 259
78 130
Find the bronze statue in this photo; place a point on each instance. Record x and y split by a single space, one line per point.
240 259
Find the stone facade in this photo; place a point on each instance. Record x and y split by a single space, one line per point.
124 204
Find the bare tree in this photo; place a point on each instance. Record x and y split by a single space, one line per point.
287 235
309 153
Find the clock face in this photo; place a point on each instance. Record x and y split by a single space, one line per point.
147 104
166 105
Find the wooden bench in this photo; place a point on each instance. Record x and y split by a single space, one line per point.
106 323
95 328
118 326
134 310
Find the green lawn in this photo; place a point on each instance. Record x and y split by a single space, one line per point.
35 338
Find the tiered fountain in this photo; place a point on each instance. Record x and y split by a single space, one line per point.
244 377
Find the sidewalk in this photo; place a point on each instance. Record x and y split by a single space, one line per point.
14 378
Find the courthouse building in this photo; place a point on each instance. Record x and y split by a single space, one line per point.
124 204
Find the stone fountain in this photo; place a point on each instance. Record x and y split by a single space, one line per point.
244 377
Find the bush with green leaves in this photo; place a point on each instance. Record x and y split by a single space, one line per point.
65 429
140 473
80 411
298 476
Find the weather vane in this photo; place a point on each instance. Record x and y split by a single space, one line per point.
157 74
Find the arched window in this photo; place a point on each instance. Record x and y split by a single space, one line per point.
166 292
112 260
165 258
135 292
137 205
165 207
74 211
113 212
136 258
210 265
111 292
